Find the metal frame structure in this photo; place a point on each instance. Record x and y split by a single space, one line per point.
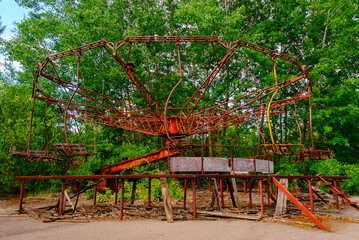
154 118
194 178
190 119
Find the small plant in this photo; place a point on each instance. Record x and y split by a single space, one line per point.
105 197
90 193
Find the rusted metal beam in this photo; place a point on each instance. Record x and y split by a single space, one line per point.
122 198
299 205
149 193
21 194
194 198
260 188
62 197
141 160
221 187
185 193
152 120
189 176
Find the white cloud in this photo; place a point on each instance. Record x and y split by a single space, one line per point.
7 36
14 64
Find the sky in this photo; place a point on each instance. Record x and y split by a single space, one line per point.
10 12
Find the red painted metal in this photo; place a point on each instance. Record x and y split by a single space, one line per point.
194 178
21 194
149 193
189 119
181 176
298 204
194 198
185 193
62 197
122 198
141 160
268 199
153 118
338 192
260 189
221 186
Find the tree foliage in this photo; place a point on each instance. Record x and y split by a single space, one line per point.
321 34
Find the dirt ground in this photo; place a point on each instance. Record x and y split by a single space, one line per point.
344 225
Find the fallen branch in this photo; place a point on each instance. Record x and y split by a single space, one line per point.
230 215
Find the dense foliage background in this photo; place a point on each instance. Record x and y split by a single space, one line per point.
322 34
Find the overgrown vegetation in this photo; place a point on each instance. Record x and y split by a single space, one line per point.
321 34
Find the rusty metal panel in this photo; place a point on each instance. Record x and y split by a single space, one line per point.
247 165
185 164
214 164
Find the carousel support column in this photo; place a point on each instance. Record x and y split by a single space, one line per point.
194 198
62 197
221 186
260 187
21 194
122 198
185 193
267 185
149 193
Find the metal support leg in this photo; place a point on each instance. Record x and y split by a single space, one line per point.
260 187
268 200
62 197
185 194
149 193
22 194
299 205
221 187
194 198
122 198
